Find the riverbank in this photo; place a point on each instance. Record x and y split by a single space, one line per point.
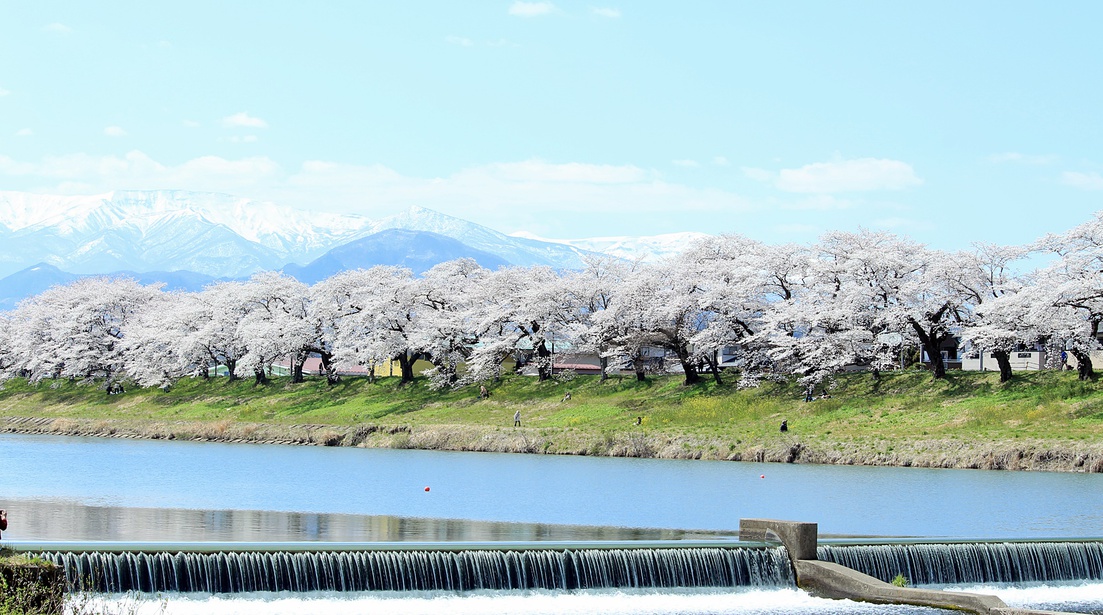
30 585
1039 421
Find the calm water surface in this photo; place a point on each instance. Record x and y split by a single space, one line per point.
100 474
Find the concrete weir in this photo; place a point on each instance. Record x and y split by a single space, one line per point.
830 580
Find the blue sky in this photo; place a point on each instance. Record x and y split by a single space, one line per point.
948 122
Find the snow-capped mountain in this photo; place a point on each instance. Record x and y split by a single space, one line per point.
214 234
649 249
225 236
416 250
522 251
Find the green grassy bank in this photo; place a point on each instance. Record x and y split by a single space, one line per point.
30 586
1040 420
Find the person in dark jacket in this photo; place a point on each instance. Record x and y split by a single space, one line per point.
3 519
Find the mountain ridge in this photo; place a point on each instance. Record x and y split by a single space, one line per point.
186 239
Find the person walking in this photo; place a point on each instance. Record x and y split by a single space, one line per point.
3 519
517 419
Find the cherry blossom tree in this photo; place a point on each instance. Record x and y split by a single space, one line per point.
384 324
653 308
446 333
589 292
519 309
1071 289
273 323
738 280
330 302
77 330
839 311
1000 320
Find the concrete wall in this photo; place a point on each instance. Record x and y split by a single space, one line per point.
1020 362
831 580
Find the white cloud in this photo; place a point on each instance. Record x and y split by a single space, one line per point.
57 28
571 172
191 124
818 202
243 120
24 132
114 131
857 175
493 194
720 161
606 12
4 92
84 173
685 162
458 40
1016 157
1083 181
531 9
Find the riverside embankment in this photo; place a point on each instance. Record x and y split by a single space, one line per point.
1040 421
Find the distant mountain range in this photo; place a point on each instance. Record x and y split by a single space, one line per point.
418 250
187 240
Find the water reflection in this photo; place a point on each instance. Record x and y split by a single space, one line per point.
32 519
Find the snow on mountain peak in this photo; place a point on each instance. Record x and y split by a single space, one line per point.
225 235
648 248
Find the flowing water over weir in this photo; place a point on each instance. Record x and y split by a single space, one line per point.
983 562
428 569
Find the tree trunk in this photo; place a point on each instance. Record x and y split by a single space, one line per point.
603 362
1083 365
260 377
544 360
448 369
231 369
297 370
692 377
330 369
714 366
932 345
407 365
640 367
1003 360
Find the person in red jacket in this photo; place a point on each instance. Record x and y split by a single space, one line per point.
3 519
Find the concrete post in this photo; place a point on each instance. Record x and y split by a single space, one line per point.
799 538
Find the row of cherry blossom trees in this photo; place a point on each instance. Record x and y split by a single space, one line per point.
852 299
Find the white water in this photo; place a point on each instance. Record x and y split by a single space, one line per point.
1077 596
1084 596
689 602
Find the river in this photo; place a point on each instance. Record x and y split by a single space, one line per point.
69 488
706 496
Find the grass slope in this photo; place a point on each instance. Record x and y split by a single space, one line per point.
1039 420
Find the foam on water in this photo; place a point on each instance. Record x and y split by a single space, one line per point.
1084 597
682 602
1077 597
